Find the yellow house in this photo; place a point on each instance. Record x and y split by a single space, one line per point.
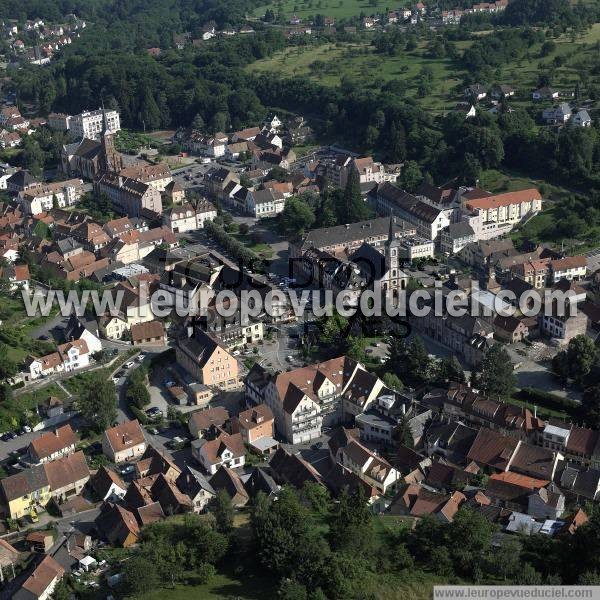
24 491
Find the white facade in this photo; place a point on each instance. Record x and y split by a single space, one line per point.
41 198
90 124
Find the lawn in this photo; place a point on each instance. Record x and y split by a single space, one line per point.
221 586
339 9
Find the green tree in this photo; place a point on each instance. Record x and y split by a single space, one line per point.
392 381
223 511
98 402
138 394
8 367
355 347
589 410
402 432
351 526
296 217
354 206
496 377
450 370
581 356
410 176
140 576
560 366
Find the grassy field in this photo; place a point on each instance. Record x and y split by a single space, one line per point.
329 63
339 9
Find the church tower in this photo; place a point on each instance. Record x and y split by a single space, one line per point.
110 159
392 250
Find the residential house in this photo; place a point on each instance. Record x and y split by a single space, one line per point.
124 442
545 93
17 275
225 450
502 91
134 307
33 488
476 92
292 469
557 115
187 218
572 268
546 503
83 328
201 421
118 525
229 481
43 580
456 236
207 360
510 329
172 501
67 476
253 424
370 467
417 501
68 357
264 203
581 119
194 485
512 490
25 491
52 445
306 399
107 485
151 333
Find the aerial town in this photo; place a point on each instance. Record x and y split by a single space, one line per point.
298 301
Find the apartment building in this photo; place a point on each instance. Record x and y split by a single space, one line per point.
89 124
320 395
45 196
428 220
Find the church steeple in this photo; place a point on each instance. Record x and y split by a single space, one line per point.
391 230
391 246
110 160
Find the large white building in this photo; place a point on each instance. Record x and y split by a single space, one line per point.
89 124
43 197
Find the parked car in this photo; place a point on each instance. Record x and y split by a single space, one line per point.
26 429
168 383
129 364
127 469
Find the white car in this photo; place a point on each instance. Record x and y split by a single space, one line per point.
129 364
236 353
128 469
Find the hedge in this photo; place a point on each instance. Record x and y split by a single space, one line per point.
547 400
138 414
